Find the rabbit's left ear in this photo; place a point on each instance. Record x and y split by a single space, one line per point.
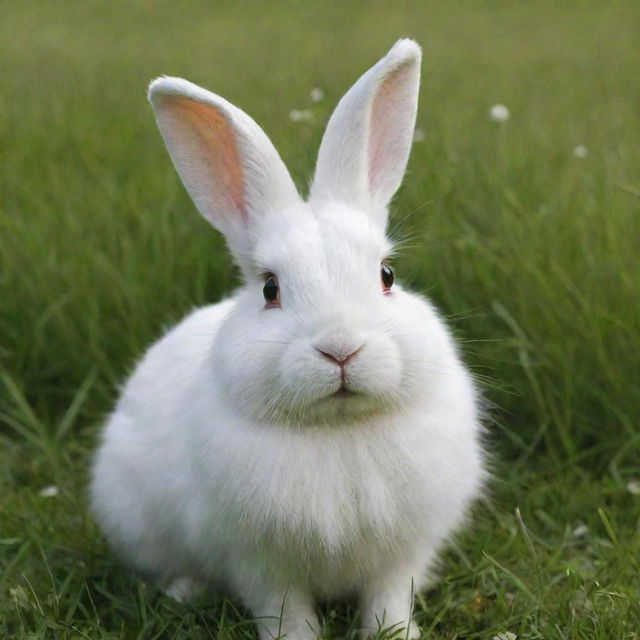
226 161
365 149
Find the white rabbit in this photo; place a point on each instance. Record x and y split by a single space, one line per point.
316 435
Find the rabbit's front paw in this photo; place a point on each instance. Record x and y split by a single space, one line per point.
184 589
386 612
280 612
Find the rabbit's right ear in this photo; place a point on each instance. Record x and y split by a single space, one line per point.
364 151
225 160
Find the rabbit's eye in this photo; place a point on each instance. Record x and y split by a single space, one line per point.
271 290
386 273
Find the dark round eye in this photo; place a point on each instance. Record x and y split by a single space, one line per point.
386 274
271 289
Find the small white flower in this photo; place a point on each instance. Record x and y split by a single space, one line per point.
298 115
418 135
499 113
633 486
581 151
19 596
317 94
580 530
505 635
49 492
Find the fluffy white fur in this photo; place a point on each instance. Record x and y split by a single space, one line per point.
230 461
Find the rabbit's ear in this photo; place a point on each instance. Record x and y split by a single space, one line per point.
365 149
226 161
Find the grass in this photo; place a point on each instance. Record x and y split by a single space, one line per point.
530 251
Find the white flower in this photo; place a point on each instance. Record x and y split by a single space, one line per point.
499 113
298 115
317 94
505 635
49 492
633 486
418 135
19 596
580 530
581 151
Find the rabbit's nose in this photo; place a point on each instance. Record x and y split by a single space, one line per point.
338 355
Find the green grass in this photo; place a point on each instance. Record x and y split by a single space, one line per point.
530 251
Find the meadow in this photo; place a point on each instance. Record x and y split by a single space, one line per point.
526 234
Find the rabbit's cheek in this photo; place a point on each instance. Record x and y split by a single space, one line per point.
377 369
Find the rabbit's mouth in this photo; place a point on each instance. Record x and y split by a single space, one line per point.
346 396
344 392
350 396
340 405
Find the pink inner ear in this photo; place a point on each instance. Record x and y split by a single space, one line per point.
208 145
390 125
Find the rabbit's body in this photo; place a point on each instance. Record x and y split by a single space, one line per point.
320 445
328 506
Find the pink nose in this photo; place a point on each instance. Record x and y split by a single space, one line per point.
336 356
